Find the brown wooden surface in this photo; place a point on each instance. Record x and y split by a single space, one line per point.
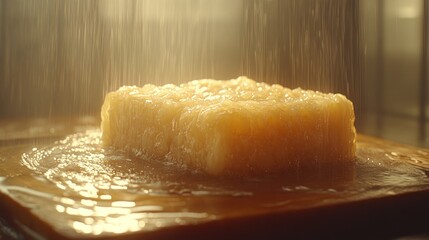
384 195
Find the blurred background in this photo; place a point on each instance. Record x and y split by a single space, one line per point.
60 58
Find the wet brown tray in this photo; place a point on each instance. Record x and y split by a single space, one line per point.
56 185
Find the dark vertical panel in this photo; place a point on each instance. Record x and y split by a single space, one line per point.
424 73
380 64
3 97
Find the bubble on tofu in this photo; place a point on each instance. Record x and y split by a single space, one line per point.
233 127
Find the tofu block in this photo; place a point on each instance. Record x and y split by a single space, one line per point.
233 127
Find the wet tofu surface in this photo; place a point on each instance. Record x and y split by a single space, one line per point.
234 127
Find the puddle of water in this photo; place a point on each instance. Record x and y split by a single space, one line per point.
99 191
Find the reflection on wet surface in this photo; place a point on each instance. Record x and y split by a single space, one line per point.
99 191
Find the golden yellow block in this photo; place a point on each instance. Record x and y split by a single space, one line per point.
234 127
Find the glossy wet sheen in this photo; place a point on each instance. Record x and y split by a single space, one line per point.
78 188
